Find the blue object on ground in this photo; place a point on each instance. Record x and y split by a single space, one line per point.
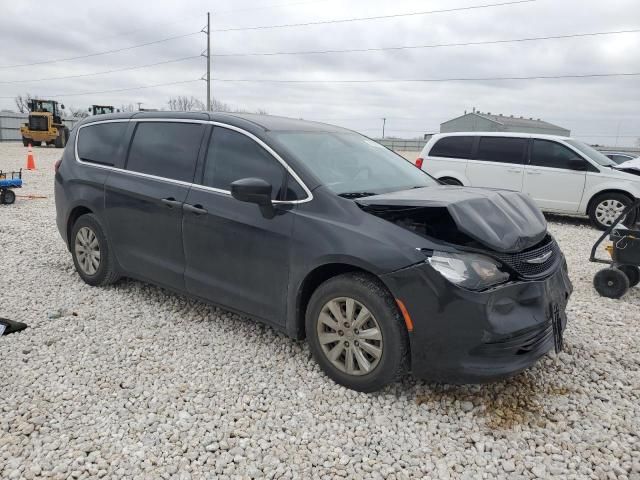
11 183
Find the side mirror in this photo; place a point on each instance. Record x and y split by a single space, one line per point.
578 164
62 106
252 190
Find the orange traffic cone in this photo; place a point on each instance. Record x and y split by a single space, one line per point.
31 163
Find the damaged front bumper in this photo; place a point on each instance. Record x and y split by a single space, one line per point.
462 336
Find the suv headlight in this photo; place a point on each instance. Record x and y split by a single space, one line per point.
468 270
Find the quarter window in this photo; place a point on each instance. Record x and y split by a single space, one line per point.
165 149
502 149
453 147
546 153
233 156
100 143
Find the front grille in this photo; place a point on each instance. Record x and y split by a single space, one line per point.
38 123
518 262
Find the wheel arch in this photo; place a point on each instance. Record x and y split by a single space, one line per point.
605 191
313 280
73 217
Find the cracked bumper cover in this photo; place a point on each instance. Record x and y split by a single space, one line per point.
462 336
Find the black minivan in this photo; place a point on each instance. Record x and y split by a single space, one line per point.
321 233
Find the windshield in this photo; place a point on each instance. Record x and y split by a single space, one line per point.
592 153
352 165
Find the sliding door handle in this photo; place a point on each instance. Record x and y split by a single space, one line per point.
196 209
171 202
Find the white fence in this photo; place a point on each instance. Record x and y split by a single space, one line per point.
10 124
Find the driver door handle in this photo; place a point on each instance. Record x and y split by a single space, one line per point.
197 209
171 202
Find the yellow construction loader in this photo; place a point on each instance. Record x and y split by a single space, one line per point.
45 125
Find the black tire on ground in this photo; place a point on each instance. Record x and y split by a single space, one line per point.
450 181
26 141
632 272
107 271
610 197
611 283
36 143
372 294
7 197
61 139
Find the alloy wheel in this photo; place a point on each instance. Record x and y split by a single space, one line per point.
350 336
87 250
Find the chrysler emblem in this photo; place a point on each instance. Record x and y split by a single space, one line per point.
540 259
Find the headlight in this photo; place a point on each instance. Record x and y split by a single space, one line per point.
468 270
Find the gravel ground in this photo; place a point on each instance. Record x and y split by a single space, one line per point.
131 381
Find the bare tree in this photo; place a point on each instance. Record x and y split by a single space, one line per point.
185 104
78 112
127 108
22 102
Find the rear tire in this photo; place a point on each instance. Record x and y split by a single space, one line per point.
377 339
633 274
7 197
61 139
91 253
605 208
611 283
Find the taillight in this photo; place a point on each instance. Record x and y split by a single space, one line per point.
419 162
56 165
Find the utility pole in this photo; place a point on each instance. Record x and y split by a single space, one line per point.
208 61
139 105
384 122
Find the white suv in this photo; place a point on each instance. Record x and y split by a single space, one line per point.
562 175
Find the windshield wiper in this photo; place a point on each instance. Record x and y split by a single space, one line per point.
356 194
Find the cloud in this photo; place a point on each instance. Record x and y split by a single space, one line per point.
595 109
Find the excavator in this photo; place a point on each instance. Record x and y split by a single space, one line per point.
45 124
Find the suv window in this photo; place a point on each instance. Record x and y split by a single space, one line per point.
453 147
165 149
233 155
502 149
546 153
100 143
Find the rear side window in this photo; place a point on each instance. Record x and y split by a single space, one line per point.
502 149
233 155
165 149
546 153
453 147
100 143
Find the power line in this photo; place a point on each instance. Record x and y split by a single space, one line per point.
114 90
105 52
104 72
427 80
378 17
436 45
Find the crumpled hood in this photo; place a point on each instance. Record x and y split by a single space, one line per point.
501 220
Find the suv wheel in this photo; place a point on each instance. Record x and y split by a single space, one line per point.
356 333
90 251
606 208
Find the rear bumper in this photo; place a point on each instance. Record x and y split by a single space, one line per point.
460 336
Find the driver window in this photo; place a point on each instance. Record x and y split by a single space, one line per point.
232 156
546 153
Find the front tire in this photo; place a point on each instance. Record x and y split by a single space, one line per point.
356 333
611 283
606 208
7 197
91 254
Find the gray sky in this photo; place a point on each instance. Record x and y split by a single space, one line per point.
596 109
